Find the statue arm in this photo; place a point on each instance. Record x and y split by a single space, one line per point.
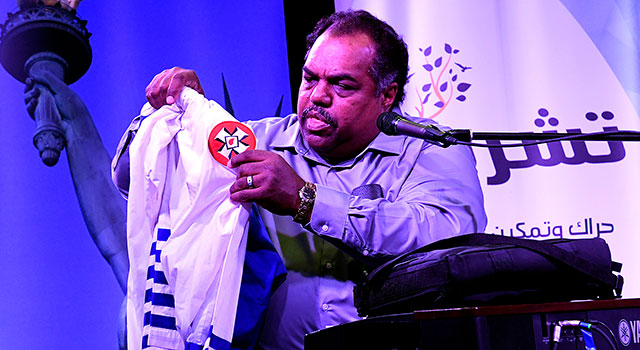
103 209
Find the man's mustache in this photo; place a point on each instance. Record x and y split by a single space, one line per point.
323 112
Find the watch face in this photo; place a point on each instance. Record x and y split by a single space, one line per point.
307 196
311 191
307 192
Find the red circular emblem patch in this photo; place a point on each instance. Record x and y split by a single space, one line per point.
228 139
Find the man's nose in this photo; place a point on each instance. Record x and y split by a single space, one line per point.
321 95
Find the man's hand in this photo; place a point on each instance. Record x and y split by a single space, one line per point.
165 87
275 183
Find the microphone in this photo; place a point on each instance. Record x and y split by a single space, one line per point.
392 123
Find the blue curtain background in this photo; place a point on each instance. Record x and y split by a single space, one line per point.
57 291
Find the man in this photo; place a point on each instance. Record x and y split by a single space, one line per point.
335 194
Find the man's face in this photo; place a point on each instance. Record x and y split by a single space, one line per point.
337 101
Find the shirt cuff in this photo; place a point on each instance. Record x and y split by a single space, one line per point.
329 214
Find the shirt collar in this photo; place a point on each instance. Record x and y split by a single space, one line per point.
290 137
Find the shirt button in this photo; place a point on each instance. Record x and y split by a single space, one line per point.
325 307
329 265
325 228
365 252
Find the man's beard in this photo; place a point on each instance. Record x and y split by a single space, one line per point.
328 118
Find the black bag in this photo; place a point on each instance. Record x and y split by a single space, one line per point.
483 269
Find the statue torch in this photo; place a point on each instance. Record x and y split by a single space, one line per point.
46 35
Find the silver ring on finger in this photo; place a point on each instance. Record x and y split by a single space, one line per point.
250 181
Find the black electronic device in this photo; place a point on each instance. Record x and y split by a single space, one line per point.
528 326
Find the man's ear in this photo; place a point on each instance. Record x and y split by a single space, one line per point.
389 95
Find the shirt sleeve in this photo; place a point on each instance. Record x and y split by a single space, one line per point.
120 163
439 198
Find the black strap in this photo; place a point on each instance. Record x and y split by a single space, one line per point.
479 239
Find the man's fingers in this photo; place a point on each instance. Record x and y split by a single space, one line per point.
245 182
180 79
165 88
156 90
190 79
275 183
154 94
242 192
176 84
162 90
153 84
248 156
246 195
246 169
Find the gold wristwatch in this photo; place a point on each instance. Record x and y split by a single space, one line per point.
307 196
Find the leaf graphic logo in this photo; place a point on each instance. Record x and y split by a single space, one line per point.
445 82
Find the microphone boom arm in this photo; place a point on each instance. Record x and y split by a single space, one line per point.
465 136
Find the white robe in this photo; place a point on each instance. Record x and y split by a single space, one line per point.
203 258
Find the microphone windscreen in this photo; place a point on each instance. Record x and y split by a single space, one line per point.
385 123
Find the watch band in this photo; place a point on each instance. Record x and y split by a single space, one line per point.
307 196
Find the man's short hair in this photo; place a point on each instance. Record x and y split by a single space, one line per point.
391 60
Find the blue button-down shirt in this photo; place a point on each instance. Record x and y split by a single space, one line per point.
398 194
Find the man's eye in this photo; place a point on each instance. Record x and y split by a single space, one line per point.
345 87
